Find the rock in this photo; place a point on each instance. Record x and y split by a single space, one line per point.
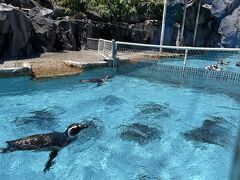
21 3
230 30
15 32
45 30
28 4
45 3
15 3
214 130
40 12
222 8
65 32
140 133
94 16
211 16
59 11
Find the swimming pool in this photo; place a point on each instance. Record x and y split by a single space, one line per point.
144 129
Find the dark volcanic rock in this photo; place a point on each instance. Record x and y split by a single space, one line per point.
15 3
40 12
59 11
21 3
230 29
140 133
222 8
65 32
15 32
46 3
214 130
45 30
210 32
94 16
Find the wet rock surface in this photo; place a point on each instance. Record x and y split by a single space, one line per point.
140 133
214 130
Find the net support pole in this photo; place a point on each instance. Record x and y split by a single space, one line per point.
185 58
183 22
99 45
163 24
197 20
114 52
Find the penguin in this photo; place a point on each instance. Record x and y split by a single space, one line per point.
213 67
53 142
238 63
99 81
221 62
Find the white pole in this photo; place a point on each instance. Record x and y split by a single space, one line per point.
163 24
196 25
183 21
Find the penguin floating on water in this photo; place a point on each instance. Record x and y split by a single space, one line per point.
46 142
99 81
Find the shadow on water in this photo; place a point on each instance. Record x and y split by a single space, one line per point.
140 133
43 119
155 109
214 130
147 177
112 100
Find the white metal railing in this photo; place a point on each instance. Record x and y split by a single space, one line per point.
105 48
178 47
92 43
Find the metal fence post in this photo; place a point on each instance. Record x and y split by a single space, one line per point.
114 51
99 43
104 46
185 58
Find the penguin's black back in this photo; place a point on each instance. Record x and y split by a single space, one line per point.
95 80
39 142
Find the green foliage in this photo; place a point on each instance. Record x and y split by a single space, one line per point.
155 7
74 6
113 10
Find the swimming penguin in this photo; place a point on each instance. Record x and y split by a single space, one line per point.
213 67
238 63
221 62
46 142
99 81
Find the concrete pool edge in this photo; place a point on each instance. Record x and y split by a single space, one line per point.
54 64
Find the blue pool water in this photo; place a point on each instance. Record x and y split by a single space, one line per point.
175 111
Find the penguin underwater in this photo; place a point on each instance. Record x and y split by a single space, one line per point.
53 142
